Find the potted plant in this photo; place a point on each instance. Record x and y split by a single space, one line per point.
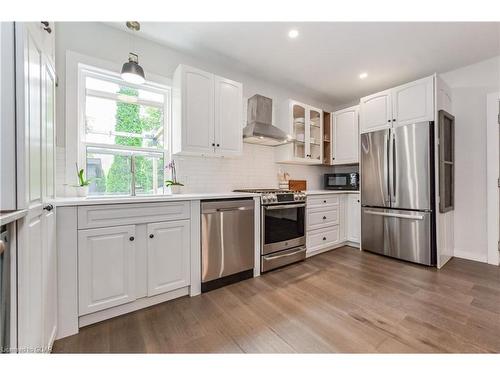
174 185
82 189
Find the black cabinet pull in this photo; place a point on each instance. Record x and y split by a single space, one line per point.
131 238
151 236
48 207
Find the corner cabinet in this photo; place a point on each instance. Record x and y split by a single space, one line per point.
207 114
353 218
409 103
345 136
304 125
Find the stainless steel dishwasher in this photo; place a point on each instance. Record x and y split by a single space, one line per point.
227 242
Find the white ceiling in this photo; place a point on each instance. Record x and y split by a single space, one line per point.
326 59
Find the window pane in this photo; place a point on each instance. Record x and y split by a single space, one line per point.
97 84
110 174
149 174
128 124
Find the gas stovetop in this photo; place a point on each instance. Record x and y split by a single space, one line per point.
274 196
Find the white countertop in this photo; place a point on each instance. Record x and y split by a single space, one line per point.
91 201
10 216
319 192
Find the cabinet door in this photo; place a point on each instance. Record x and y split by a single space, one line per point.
314 135
197 122
106 271
413 102
353 218
49 277
228 116
346 136
375 112
299 120
168 256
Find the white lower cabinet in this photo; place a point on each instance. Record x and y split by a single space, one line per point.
168 256
106 267
332 221
353 218
124 263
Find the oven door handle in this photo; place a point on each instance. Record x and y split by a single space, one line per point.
284 206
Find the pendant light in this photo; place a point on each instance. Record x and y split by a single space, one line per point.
131 71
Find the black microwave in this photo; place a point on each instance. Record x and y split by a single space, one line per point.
342 181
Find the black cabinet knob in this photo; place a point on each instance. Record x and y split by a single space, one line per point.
151 236
389 120
48 207
324 201
358 200
131 238
393 120
218 145
213 144
324 217
324 238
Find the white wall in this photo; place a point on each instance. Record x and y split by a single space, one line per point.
470 86
255 168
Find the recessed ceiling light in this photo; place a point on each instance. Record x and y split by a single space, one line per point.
363 75
294 33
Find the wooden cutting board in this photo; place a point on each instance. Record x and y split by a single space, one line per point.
297 185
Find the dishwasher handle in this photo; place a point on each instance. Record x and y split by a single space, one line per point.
229 209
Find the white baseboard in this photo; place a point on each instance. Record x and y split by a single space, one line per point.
470 255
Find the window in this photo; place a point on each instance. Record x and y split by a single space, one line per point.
123 134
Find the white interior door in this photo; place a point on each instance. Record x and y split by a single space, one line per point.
168 256
228 116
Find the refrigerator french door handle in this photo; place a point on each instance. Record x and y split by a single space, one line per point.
399 216
390 166
394 169
387 194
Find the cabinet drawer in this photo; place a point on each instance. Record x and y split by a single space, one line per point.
324 237
135 213
323 200
322 217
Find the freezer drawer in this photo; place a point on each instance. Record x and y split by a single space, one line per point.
400 234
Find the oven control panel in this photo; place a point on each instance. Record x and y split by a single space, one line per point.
283 197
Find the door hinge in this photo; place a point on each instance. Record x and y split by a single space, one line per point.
498 182
498 118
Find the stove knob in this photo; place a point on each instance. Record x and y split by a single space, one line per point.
274 198
264 199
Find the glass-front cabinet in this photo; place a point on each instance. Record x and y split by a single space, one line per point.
305 131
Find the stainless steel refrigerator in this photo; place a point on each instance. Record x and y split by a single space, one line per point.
397 192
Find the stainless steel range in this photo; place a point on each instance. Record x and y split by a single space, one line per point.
283 227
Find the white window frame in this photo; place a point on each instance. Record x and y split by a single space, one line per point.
94 70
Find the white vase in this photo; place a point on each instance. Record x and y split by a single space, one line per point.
175 189
82 191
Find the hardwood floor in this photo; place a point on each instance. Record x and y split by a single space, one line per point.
341 301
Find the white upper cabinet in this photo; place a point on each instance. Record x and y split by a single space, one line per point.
304 124
228 116
345 136
168 256
413 102
406 104
207 113
375 112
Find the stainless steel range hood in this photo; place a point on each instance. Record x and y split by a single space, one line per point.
259 129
